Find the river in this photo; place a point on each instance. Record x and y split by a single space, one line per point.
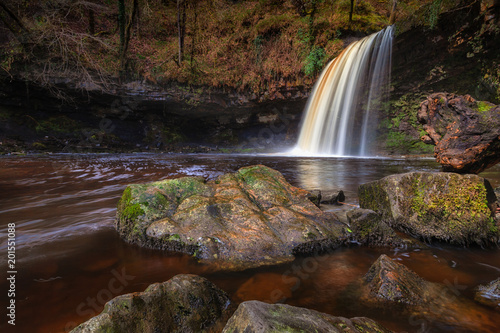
70 261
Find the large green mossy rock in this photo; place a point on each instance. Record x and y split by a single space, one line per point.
185 303
256 317
435 206
244 219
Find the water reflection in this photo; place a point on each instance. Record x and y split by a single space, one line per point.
338 173
64 209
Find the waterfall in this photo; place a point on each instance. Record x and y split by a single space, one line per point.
340 115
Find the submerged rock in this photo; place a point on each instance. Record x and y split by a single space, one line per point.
185 303
489 294
465 132
393 287
326 197
249 218
368 228
315 197
333 198
435 206
255 316
389 281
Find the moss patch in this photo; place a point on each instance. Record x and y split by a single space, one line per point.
434 206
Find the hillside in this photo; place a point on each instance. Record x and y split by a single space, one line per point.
67 64
246 45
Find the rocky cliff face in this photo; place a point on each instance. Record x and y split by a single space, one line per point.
142 116
458 54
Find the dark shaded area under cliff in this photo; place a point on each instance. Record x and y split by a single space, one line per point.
138 116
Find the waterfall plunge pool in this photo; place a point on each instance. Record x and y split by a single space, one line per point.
68 252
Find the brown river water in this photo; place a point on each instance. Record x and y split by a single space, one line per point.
70 261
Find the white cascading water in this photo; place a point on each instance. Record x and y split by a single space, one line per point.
340 114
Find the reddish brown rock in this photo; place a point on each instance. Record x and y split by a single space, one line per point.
433 306
466 132
256 317
185 303
246 219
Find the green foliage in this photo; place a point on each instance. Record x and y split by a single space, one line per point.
413 13
252 45
491 79
58 125
402 143
174 237
273 25
39 145
483 106
403 114
170 135
257 43
433 15
5 114
315 61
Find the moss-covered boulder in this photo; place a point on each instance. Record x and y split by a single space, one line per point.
255 316
185 303
391 286
248 218
489 294
435 206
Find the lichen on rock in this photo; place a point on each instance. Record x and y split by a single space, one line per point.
255 316
465 132
435 206
185 303
244 219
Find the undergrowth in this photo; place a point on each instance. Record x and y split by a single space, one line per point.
243 45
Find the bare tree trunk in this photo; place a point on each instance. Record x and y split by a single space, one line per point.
392 19
12 16
14 24
121 24
126 33
300 7
195 31
91 22
138 21
181 27
352 11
